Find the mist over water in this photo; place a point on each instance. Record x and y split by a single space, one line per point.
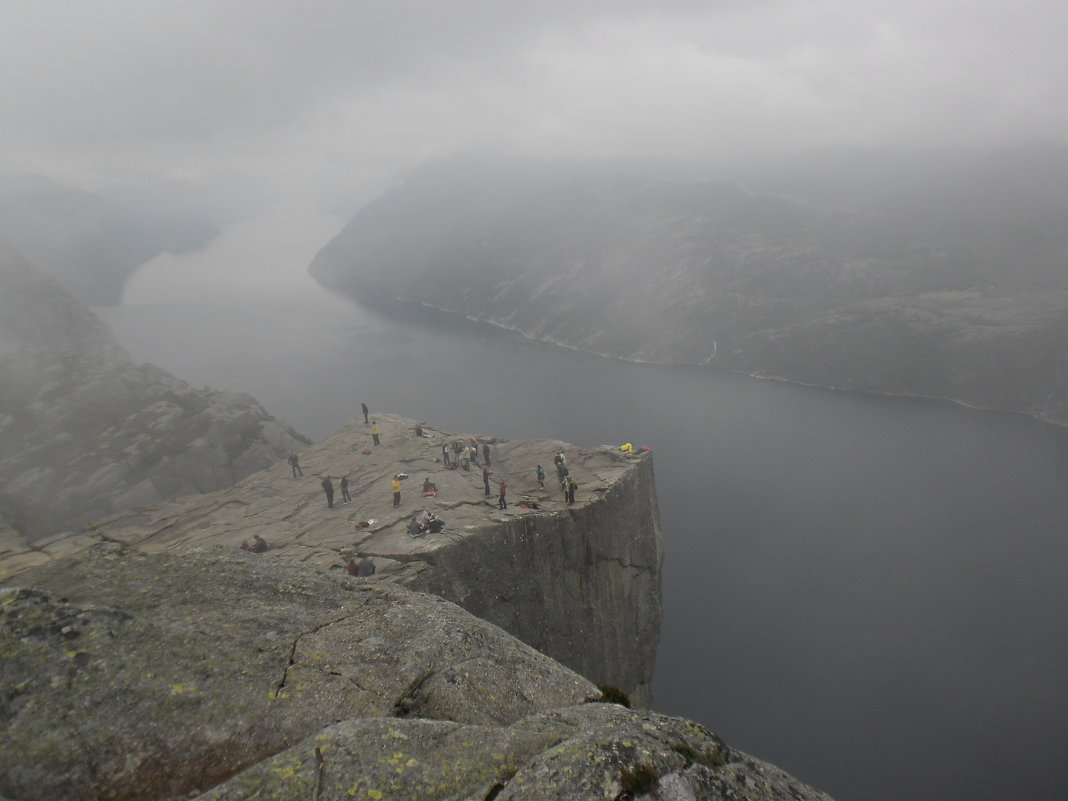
868 592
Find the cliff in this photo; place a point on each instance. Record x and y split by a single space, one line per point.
153 658
944 283
85 432
208 672
581 582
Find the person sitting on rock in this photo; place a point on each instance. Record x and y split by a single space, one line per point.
415 528
429 486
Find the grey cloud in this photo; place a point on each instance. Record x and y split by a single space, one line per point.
291 96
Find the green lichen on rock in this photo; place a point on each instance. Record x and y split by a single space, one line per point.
582 752
154 676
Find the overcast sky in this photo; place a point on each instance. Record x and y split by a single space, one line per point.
327 99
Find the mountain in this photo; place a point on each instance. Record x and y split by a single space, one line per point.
940 278
85 432
89 243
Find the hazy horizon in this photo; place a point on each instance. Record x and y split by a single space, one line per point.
240 106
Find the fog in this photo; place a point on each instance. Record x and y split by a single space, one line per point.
245 104
280 120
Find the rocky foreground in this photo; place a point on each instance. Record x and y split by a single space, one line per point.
152 657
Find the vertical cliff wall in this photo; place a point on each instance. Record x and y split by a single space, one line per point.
581 585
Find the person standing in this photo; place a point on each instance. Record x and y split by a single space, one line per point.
345 490
375 432
294 462
465 457
474 451
485 480
328 488
445 454
502 489
541 476
486 453
571 485
364 407
395 484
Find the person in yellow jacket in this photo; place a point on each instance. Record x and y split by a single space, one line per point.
396 491
374 432
627 448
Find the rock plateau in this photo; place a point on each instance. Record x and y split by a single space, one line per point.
157 659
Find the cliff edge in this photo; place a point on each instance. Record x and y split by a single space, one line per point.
152 657
580 582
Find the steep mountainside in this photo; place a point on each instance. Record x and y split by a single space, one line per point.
924 287
85 432
88 243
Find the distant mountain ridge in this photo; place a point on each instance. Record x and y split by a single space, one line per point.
947 282
85 432
89 243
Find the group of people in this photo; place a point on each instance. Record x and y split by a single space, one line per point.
425 521
458 453
328 487
365 567
462 454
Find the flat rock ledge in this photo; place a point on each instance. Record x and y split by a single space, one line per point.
579 582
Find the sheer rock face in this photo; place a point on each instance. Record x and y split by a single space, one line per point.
571 566
84 432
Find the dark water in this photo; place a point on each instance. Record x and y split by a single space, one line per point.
868 592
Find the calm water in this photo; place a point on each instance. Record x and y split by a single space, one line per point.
868 592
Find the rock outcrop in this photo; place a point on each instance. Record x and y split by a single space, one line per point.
153 658
213 673
936 290
84 432
579 582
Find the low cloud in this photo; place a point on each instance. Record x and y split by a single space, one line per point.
326 100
